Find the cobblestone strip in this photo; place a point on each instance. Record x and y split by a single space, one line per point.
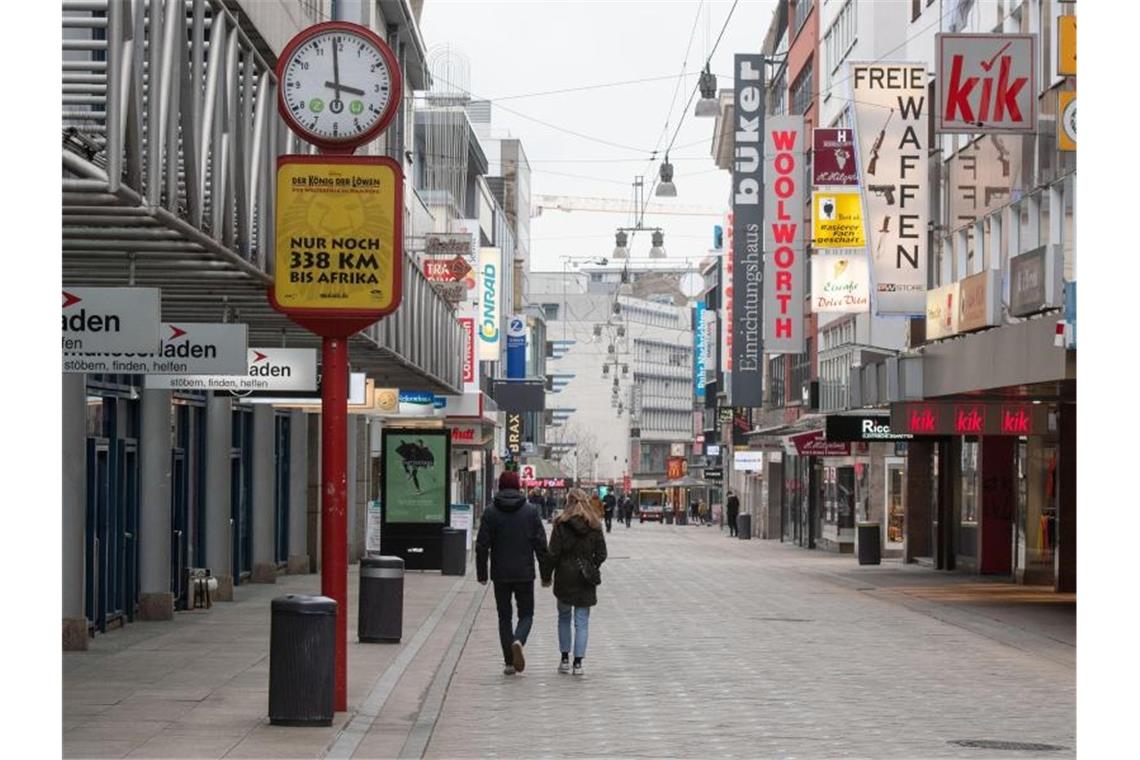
421 733
355 730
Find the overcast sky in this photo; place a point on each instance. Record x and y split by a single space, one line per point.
522 48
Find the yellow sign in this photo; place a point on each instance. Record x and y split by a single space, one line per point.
1067 46
837 218
1067 120
339 235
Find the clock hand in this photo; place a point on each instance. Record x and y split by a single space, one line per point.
344 88
336 70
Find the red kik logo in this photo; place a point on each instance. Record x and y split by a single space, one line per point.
1014 420
923 421
1000 94
969 420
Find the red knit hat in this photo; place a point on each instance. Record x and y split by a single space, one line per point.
509 479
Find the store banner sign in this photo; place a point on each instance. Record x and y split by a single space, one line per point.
714 474
833 157
942 312
416 403
108 320
748 217
891 116
514 434
490 303
986 83
1067 46
966 418
470 363
726 302
837 219
862 428
700 352
784 270
1067 123
675 468
267 369
814 444
186 348
1035 281
708 327
840 284
979 301
516 347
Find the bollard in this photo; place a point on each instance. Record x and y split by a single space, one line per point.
302 658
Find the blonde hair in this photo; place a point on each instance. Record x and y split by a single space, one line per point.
578 503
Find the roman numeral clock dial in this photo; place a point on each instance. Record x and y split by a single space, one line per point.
339 85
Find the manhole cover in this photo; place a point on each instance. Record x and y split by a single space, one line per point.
998 744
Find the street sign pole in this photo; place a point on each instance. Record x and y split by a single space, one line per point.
334 499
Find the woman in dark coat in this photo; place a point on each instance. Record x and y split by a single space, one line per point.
576 553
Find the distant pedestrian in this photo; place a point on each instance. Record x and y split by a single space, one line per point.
512 533
627 510
548 506
703 512
609 504
694 509
732 507
577 551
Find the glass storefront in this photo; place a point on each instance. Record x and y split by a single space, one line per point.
895 510
1036 535
970 501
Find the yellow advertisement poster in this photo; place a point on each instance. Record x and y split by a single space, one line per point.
339 234
837 219
1067 46
1067 123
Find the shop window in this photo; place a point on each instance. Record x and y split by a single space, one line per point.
801 9
802 90
968 532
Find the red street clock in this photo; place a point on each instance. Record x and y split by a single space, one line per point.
339 85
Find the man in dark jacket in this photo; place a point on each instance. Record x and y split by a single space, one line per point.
512 533
732 509
627 509
609 504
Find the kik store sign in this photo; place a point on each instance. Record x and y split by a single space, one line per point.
965 418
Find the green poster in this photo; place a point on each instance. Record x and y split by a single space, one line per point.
416 486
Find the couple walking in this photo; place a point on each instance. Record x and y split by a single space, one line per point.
511 533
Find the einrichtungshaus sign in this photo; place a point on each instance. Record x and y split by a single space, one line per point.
747 265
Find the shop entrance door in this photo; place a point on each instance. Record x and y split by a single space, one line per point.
112 528
281 487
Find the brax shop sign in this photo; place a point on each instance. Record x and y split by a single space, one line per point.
986 83
268 369
860 428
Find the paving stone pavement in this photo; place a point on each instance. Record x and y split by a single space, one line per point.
705 646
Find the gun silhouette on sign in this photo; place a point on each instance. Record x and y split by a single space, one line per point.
887 190
878 144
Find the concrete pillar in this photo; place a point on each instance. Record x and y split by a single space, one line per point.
298 492
998 505
917 531
313 492
74 511
219 443
156 602
1065 556
264 491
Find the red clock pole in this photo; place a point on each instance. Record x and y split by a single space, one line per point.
334 499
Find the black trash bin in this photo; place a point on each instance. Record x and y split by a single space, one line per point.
668 518
870 546
454 551
302 660
744 527
380 612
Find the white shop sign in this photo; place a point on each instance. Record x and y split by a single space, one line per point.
268 369
186 348
97 320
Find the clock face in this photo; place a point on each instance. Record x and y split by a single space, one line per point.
337 85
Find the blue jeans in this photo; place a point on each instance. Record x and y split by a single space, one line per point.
581 628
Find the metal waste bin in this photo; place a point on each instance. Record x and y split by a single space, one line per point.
380 608
669 518
870 546
302 657
744 526
454 550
